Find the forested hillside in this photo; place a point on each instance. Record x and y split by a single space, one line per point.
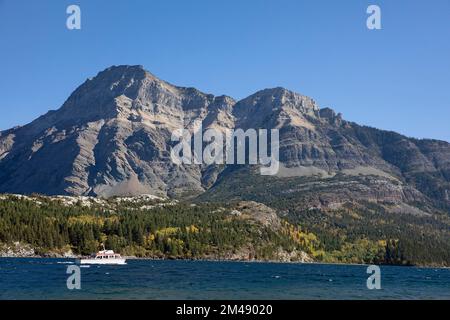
236 230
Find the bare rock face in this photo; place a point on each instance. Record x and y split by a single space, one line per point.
112 137
16 249
259 212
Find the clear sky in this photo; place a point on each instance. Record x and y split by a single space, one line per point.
397 78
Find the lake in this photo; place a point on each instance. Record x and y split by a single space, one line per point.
22 278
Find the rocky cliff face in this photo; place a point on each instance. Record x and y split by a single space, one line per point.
112 137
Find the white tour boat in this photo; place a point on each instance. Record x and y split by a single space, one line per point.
104 257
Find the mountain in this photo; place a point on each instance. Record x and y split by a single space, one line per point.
344 182
112 137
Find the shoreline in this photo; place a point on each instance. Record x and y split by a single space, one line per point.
239 261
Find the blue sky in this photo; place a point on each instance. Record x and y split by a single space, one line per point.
397 78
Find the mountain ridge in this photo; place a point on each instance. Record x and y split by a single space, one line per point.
112 137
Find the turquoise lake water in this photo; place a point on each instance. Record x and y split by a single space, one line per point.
148 279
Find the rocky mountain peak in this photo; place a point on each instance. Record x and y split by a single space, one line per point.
273 99
274 108
113 135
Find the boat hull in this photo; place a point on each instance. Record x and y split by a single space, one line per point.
104 261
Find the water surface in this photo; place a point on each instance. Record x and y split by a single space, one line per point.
148 279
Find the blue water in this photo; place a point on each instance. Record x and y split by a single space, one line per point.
147 279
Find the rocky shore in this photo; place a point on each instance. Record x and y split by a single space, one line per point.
16 250
23 250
